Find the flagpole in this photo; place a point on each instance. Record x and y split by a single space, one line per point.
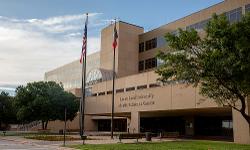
82 103
84 83
113 93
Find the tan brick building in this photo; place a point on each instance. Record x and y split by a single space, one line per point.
142 103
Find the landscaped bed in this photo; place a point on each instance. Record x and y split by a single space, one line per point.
175 145
52 137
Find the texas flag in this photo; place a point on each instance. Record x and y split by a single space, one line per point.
115 37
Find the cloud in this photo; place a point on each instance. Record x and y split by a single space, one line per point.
29 48
66 23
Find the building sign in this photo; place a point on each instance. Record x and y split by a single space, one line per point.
136 100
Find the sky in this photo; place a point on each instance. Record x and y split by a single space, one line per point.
39 35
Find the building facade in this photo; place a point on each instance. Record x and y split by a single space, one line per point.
70 74
141 102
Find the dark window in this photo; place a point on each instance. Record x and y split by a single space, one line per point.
141 47
151 44
141 87
150 63
101 93
153 85
119 90
234 15
130 89
199 25
94 94
247 8
109 92
141 65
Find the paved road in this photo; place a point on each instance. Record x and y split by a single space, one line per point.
20 144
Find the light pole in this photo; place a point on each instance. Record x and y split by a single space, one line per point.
65 121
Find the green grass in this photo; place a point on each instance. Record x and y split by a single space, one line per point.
52 138
176 145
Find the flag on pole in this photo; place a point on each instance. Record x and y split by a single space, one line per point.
115 37
84 41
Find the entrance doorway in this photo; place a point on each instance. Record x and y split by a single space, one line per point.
214 126
120 125
163 124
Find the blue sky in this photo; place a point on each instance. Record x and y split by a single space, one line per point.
148 13
40 35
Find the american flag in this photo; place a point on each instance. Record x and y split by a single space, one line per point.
84 41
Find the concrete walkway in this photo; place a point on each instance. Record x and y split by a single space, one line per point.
19 142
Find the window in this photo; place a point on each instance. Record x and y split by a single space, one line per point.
234 15
153 85
247 8
119 90
109 92
151 44
161 41
141 47
175 32
101 93
141 87
199 25
159 62
150 63
94 94
130 89
141 65
228 124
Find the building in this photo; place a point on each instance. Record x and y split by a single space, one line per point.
70 74
142 103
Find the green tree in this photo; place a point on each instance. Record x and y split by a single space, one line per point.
219 63
44 101
7 110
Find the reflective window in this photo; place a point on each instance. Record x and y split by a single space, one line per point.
130 89
153 85
150 63
141 87
141 65
161 41
175 32
234 15
119 90
94 94
228 124
247 8
109 92
159 62
150 44
199 25
141 47
101 93
98 75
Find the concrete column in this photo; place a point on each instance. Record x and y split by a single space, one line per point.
189 126
128 125
135 122
90 124
241 129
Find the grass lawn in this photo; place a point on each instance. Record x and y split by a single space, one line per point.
176 145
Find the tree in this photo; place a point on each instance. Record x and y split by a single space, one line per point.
44 101
219 63
7 110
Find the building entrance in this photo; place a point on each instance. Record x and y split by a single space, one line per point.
163 124
120 125
202 126
214 126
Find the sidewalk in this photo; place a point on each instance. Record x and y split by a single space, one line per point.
91 140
